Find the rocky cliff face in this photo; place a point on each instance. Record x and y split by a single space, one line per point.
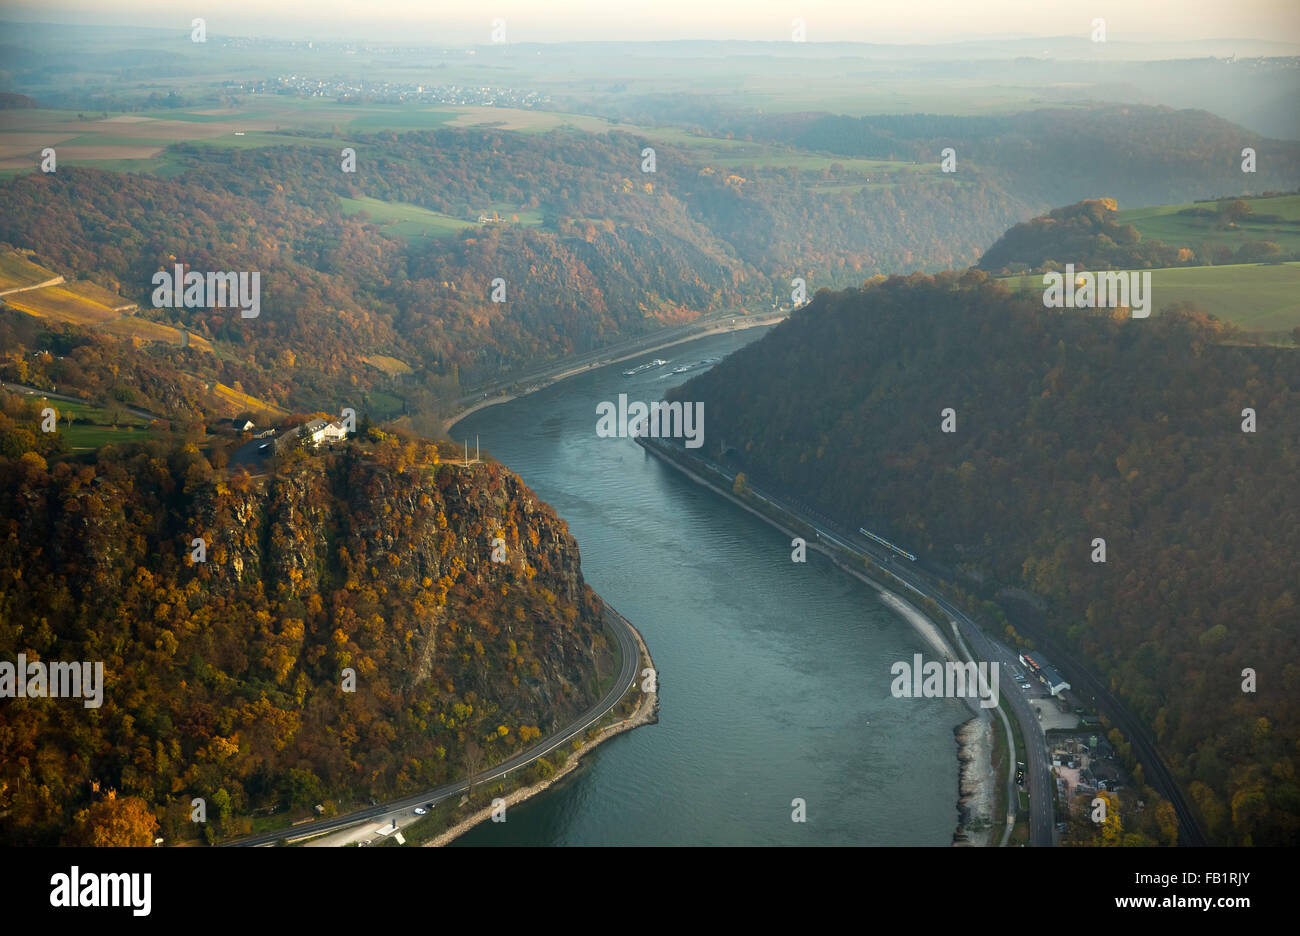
449 596
330 522
426 522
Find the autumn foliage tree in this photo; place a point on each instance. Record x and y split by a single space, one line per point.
113 822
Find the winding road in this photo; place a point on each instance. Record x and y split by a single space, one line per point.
629 661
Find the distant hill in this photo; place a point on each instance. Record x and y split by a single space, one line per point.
602 251
1053 156
9 101
592 250
1087 235
1095 235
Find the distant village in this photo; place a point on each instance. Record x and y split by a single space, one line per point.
389 92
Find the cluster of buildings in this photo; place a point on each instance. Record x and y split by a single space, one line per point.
313 433
1085 766
1037 667
388 92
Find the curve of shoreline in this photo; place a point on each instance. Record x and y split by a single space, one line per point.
647 712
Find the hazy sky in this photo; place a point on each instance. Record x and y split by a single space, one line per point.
469 21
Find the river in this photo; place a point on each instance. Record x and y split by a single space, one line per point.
773 675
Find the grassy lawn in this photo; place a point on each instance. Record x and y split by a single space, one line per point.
998 760
1255 296
254 139
770 157
1166 224
109 139
410 222
730 154
84 437
92 426
169 113
529 217
1020 834
160 164
525 121
375 119
383 405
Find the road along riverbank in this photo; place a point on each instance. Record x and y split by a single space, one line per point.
564 370
977 784
646 713
763 658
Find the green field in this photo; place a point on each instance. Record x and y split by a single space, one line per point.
381 405
163 166
87 438
374 119
1255 296
126 145
528 217
727 153
772 157
1164 223
130 142
255 139
92 426
410 222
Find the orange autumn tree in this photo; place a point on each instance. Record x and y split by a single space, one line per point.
114 822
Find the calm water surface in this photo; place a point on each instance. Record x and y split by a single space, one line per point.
773 676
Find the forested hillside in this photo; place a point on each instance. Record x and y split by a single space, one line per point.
590 248
1086 235
618 256
226 679
1054 156
1069 427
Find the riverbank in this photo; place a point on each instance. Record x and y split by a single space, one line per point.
565 371
646 712
926 628
976 784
